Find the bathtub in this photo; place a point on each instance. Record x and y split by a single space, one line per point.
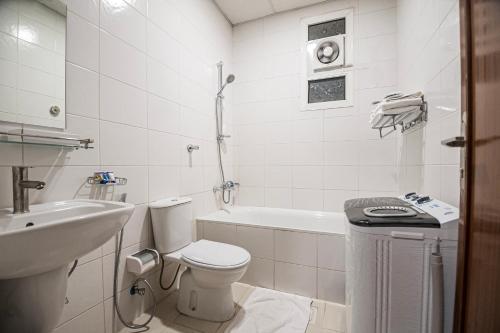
296 251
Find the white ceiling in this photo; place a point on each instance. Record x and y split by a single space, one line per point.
238 11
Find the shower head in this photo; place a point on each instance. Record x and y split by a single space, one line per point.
229 79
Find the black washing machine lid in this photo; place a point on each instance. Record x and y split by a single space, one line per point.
387 212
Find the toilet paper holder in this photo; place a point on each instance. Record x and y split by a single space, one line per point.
142 261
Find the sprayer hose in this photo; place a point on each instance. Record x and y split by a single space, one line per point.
115 290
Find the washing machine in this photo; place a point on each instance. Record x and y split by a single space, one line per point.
400 264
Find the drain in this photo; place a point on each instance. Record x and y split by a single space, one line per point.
29 224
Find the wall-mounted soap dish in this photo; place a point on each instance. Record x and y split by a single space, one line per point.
106 178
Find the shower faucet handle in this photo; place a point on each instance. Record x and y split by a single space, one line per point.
190 148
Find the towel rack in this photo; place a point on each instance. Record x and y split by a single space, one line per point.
406 120
57 141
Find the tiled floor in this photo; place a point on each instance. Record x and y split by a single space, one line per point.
325 317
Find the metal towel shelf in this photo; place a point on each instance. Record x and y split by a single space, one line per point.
78 143
406 120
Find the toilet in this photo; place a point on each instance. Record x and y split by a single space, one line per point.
211 267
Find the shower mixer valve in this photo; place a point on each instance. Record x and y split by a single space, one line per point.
227 185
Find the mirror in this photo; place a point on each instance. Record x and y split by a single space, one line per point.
32 62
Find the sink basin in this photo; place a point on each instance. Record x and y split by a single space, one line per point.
35 250
55 234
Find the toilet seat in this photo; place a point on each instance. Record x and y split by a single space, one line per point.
214 255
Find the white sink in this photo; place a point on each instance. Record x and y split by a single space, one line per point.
55 234
35 250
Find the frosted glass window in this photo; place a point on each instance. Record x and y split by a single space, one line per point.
327 90
326 29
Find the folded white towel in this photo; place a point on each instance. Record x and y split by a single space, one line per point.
394 104
377 115
399 95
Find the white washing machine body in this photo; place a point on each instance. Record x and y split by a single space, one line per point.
388 272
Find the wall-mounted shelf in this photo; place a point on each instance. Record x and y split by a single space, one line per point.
45 140
406 120
106 178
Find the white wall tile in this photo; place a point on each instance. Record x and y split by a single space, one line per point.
378 178
62 183
124 21
122 61
86 128
83 42
163 115
331 285
164 148
331 252
334 199
251 196
308 199
122 103
279 197
12 154
341 152
220 232
308 177
89 321
366 6
341 128
378 153
83 289
260 273
162 47
276 154
162 81
192 180
136 190
82 91
278 176
295 279
341 177
377 23
308 153
6 191
307 130
251 175
162 186
258 241
89 10
123 144
296 247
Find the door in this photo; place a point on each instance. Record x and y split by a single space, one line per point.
477 307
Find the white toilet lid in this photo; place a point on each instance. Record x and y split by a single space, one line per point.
214 254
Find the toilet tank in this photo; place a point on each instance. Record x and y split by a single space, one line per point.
172 220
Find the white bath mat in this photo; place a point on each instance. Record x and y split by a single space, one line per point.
270 311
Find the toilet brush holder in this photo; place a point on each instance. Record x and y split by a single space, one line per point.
142 261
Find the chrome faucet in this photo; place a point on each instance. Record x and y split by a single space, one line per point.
20 188
228 185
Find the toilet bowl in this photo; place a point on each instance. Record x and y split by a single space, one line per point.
205 287
211 267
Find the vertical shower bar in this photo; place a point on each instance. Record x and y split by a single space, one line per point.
219 101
